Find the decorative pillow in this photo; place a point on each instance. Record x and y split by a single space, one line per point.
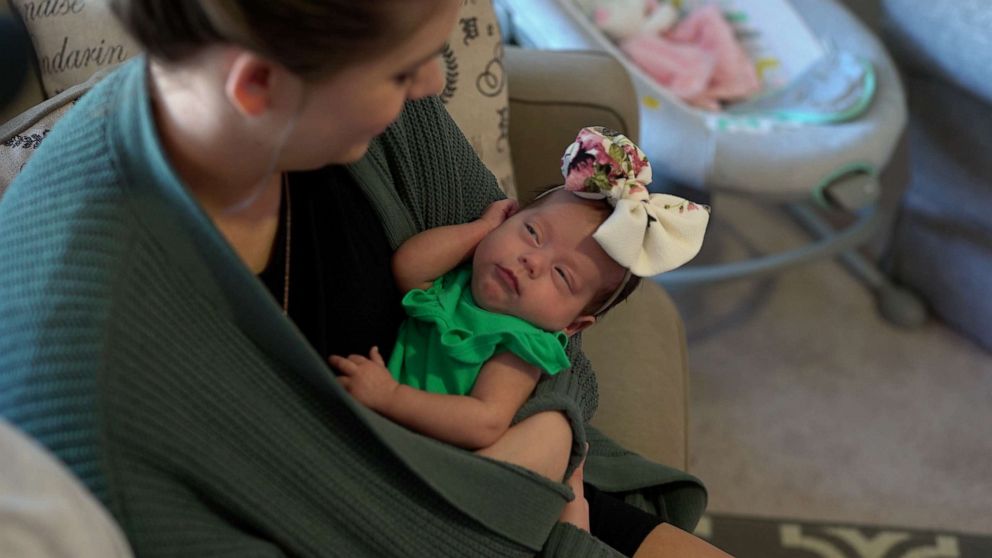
21 137
73 39
17 148
475 87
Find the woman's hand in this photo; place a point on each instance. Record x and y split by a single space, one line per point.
498 212
576 512
366 379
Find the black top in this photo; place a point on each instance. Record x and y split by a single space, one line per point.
337 246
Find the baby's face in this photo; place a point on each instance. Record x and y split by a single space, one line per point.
542 264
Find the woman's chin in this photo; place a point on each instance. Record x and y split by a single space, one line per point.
344 157
356 153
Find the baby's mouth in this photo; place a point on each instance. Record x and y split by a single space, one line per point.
508 278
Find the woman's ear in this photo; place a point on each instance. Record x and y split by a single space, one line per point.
579 324
249 84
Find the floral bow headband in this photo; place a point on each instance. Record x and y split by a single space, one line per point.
647 233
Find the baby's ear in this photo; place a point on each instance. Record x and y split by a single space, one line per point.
579 324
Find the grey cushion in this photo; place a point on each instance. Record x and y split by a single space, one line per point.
942 244
949 39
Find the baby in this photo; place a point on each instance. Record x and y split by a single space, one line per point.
478 337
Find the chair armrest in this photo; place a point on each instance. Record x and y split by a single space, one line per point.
639 352
640 355
551 98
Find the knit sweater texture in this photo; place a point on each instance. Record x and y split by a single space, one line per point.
140 350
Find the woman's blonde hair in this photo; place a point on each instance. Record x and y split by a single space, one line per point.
309 37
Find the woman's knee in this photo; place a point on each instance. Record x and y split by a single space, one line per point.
667 541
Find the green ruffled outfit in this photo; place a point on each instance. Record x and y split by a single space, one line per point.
447 338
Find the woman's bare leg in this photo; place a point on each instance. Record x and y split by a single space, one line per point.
666 541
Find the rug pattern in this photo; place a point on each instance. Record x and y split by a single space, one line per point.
745 537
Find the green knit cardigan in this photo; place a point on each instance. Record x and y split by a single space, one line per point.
138 348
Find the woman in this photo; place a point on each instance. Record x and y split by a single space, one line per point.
261 140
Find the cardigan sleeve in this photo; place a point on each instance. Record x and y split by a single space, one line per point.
437 174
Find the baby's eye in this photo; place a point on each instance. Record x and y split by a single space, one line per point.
563 275
531 230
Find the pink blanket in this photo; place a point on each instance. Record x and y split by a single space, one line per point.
700 60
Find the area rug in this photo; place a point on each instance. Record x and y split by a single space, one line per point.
747 537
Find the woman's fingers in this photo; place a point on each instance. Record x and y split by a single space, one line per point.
578 475
576 512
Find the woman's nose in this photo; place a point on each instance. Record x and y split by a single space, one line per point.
428 81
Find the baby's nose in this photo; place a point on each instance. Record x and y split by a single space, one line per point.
532 263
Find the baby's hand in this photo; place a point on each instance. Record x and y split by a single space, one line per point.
499 211
366 379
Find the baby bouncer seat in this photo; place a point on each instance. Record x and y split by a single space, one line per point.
825 124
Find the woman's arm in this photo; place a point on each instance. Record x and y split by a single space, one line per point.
471 421
430 254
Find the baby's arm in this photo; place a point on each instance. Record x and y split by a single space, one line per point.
430 254
471 421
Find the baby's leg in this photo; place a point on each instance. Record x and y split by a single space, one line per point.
541 443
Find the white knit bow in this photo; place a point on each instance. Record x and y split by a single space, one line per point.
646 233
